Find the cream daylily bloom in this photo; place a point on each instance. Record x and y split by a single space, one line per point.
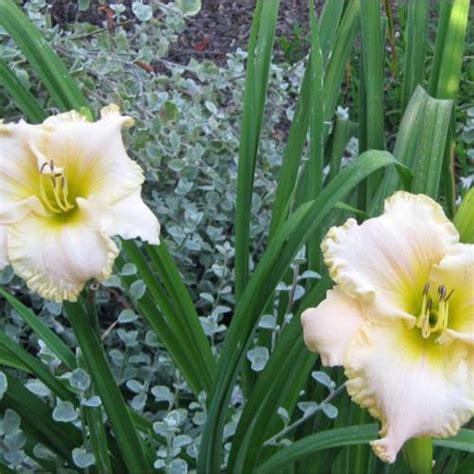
400 320
66 187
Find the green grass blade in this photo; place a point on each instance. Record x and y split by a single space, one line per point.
118 413
463 441
464 218
466 466
6 470
416 39
445 77
420 145
347 436
7 359
431 148
166 269
315 165
279 385
373 64
328 25
350 436
94 418
184 325
344 42
292 157
54 343
343 131
36 368
49 68
37 420
339 55
149 308
20 95
449 52
270 270
258 66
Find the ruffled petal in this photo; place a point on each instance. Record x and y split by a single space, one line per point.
328 328
456 273
415 387
92 154
56 258
387 260
18 164
129 218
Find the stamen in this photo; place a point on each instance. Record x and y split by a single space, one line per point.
45 199
434 318
65 193
58 202
449 296
425 327
57 198
422 315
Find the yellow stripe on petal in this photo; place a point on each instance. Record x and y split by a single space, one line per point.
456 272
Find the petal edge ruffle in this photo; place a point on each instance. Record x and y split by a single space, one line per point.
387 260
413 386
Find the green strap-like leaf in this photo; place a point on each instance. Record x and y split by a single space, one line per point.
256 84
54 343
128 439
61 438
416 40
373 64
348 436
279 385
36 368
20 95
270 270
449 52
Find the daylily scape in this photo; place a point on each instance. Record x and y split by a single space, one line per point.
66 187
400 319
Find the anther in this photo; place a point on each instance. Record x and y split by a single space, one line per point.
43 166
429 306
51 165
426 288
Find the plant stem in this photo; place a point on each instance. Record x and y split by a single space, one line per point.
306 416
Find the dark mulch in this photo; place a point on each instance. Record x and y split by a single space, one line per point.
220 27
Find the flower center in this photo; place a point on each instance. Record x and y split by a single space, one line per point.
434 316
54 189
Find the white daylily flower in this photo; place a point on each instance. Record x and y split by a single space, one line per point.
400 320
66 187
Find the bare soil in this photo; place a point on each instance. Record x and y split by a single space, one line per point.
220 27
